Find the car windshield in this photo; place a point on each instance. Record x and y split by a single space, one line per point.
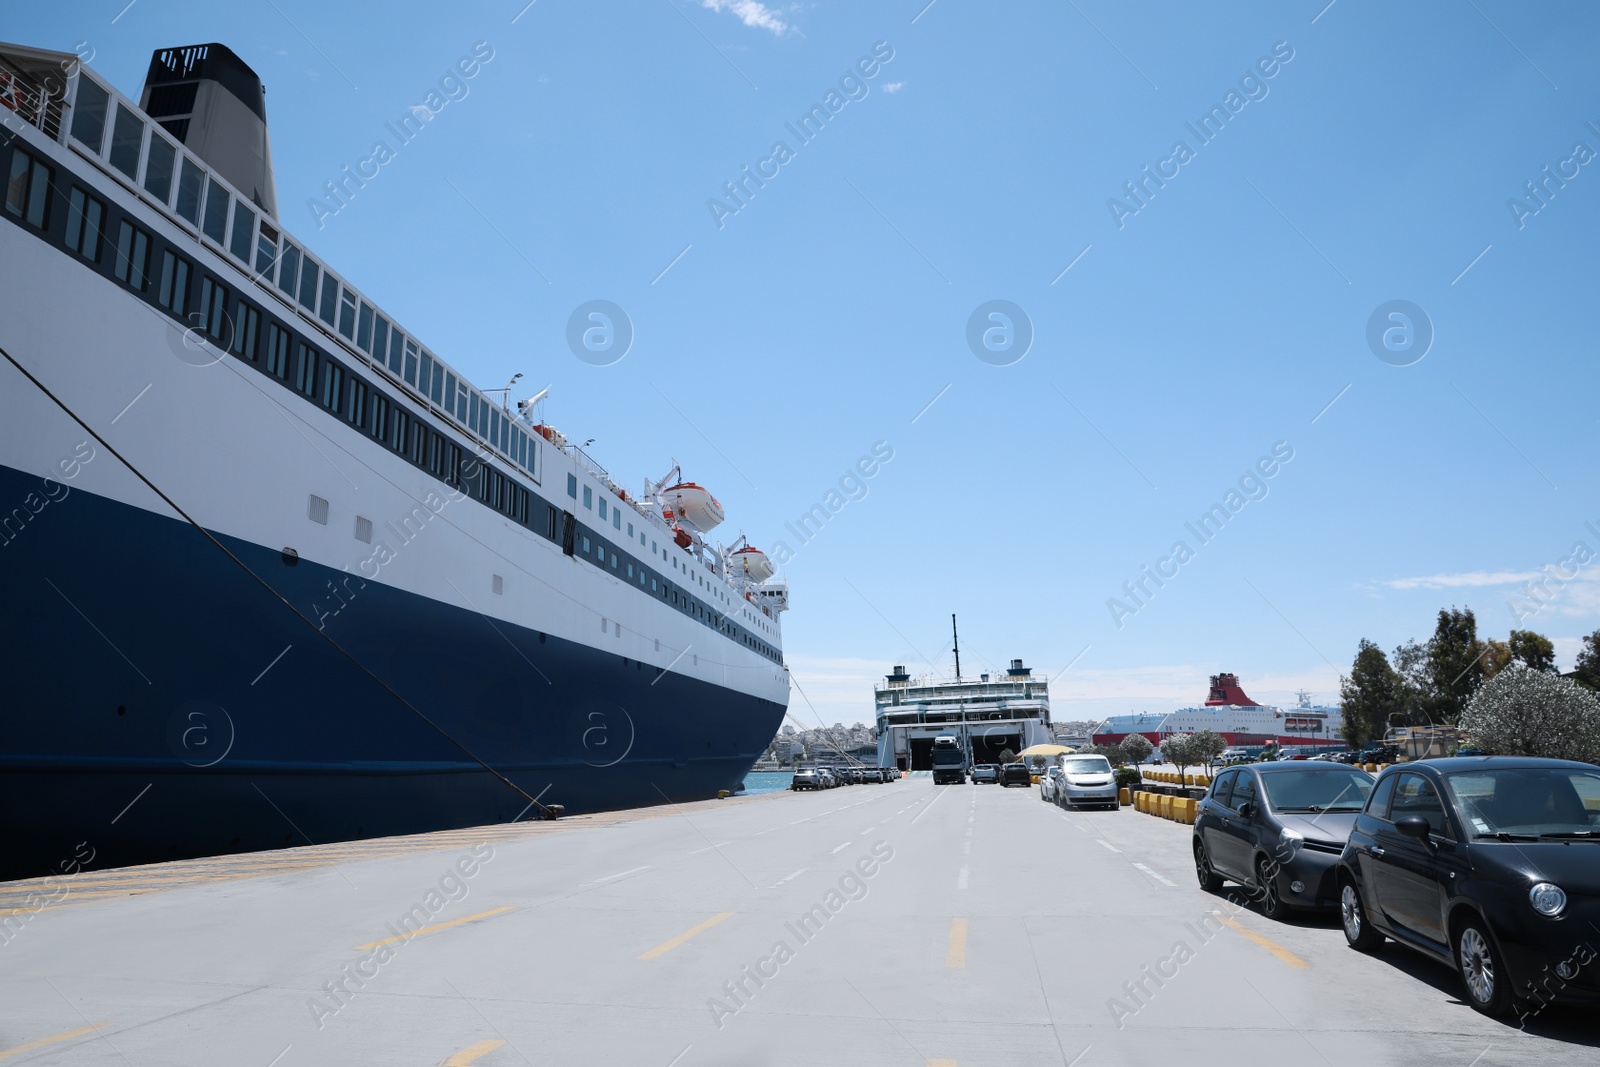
1317 791
1533 801
1087 765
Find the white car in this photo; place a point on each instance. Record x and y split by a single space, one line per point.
1048 783
1086 780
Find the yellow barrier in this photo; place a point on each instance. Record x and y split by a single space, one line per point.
1166 807
1188 811
1124 795
1370 768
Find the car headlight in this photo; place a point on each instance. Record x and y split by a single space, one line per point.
1547 899
1289 842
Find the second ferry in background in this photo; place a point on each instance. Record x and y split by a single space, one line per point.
279 574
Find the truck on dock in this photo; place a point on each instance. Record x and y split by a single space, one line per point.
949 760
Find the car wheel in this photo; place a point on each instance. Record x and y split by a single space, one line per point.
1210 880
1272 905
1482 972
1358 931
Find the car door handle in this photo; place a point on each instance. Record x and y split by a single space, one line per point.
1375 850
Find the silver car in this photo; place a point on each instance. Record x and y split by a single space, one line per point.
1048 782
1086 781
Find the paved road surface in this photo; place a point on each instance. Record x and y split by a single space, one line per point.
895 924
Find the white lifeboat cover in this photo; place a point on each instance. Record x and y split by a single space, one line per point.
694 505
754 563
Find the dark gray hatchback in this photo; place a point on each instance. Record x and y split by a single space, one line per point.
1278 829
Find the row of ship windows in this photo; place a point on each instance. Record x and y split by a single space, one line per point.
624 568
270 346
183 186
591 504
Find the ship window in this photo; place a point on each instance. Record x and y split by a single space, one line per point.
308 284
133 256
216 220
174 291
288 268
436 454
266 249
363 529
317 510
213 307
159 164
347 314
550 521
330 297
28 191
364 328
419 442
424 373
398 430
89 113
449 393
358 403
494 433
244 226
602 507
411 362
380 338
499 584
630 531
436 386
277 351
85 215
472 410
127 138
396 350
588 498
585 544
191 181
380 416
306 373
616 519
246 331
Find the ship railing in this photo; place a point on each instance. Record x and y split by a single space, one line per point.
25 97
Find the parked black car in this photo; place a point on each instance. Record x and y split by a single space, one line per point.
1490 864
1278 829
1016 774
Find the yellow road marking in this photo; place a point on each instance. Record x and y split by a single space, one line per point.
437 926
43 1041
957 956
694 931
1271 946
465 1057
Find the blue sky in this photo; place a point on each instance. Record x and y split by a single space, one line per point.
979 163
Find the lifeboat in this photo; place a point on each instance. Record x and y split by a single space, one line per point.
694 505
681 537
754 563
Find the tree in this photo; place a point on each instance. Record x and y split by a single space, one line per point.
1454 668
1007 756
1524 712
1495 657
1369 695
1414 702
1178 750
1534 651
1206 746
1136 748
1587 671
1112 753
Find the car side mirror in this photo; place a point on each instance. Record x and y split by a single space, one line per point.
1247 810
1414 826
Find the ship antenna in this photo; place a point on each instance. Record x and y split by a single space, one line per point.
957 638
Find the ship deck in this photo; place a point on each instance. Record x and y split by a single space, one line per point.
991 929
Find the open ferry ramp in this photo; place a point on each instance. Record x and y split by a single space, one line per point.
903 923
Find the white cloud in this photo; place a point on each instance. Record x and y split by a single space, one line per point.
750 13
894 87
1465 580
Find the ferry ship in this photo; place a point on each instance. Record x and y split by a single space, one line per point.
987 715
278 573
1241 721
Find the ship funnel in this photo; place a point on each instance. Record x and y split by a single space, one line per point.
1018 670
213 103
